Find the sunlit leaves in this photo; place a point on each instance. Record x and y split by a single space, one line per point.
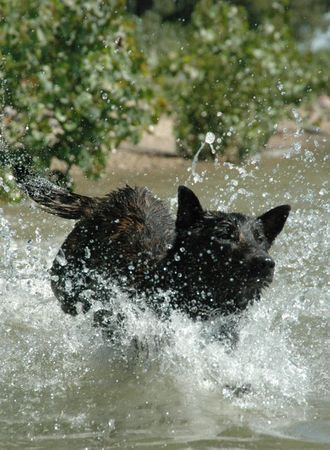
233 80
74 83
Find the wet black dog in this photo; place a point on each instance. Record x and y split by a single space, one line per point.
210 262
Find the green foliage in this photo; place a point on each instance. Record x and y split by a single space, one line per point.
303 16
170 10
157 39
74 85
320 75
232 80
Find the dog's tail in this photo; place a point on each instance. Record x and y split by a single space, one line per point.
52 198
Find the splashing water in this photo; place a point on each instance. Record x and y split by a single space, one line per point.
209 139
171 384
196 178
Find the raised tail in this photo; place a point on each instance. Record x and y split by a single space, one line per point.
52 198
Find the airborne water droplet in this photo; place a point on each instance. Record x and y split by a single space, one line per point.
210 137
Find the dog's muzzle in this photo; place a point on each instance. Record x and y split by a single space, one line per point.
262 267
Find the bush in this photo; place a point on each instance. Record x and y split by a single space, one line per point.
232 80
74 83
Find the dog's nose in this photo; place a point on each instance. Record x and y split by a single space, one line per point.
269 262
263 262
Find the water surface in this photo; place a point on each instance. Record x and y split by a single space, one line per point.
62 387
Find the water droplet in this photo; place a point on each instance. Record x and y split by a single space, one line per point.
210 137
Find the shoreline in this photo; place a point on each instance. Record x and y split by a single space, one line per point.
156 150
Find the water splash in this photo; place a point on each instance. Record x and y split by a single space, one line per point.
196 178
171 379
35 326
209 139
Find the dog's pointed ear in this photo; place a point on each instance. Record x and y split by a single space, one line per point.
189 208
273 221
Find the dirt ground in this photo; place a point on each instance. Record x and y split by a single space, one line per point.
157 147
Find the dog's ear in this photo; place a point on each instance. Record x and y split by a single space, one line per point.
273 221
189 208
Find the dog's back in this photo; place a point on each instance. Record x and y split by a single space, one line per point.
128 232
122 235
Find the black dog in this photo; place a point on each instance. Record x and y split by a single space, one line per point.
208 261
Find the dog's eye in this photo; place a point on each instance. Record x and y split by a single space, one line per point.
258 236
233 235
227 232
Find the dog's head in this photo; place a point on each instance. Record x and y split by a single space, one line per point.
226 252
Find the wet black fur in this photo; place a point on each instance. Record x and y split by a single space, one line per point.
210 262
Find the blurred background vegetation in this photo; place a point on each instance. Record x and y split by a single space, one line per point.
79 77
